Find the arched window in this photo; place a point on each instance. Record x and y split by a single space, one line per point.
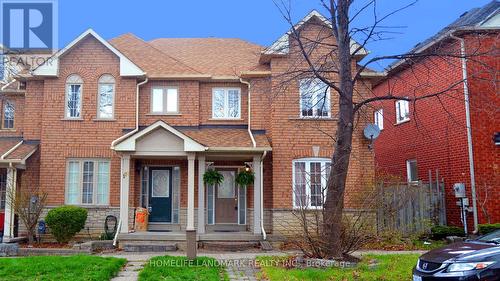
74 84
106 97
8 115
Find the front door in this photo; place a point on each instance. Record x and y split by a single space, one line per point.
160 195
226 199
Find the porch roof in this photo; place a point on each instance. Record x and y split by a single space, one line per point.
195 138
219 138
16 150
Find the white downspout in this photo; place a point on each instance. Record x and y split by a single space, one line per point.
264 234
249 112
136 116
469 130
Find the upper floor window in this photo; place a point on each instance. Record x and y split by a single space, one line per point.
105 108
164 100
87 182
314 98
226 103
402 111
378 118
309 182
8 115
411 170
74 84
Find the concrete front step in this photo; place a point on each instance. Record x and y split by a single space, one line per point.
148 246
231 246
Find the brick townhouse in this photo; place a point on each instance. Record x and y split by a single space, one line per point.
431 135
116 125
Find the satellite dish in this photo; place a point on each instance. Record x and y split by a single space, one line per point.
371 131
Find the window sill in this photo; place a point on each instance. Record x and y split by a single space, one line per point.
225 119
104 120
90 206
164 114
312 118
8 130
402 122
72 119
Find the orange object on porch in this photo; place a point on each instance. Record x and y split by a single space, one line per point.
141 219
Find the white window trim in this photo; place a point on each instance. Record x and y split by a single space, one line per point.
378 118
226 103
99 98
328 96
164 106
408 170
407 107
80 181
323 162
66 91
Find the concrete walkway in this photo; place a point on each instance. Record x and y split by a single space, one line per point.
132 268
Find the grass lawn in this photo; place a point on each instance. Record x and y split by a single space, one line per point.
179 268
58 268
390 267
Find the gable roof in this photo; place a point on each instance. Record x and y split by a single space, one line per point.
214 56
128 144
51 66
486 17
281 46
155 62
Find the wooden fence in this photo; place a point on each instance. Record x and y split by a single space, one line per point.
411 207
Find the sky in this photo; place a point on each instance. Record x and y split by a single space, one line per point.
257 21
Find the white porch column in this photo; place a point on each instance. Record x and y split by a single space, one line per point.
10 192
256 196
190 199
201 194
124 192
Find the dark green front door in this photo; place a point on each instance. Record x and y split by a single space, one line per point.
160 194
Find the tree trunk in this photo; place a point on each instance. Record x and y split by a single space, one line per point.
334 203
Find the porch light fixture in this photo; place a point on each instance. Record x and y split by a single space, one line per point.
248 166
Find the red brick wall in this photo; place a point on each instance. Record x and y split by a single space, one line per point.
436 134
485 104
294 137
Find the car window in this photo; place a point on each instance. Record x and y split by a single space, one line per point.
490 237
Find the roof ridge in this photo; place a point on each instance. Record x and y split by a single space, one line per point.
198 38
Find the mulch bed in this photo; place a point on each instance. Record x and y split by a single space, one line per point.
51 245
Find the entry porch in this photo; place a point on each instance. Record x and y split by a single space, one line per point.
162 171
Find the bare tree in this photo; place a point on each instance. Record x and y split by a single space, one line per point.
339 68
28 204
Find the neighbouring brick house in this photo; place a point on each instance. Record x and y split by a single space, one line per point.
120 124
431 135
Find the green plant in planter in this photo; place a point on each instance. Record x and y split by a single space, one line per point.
245 178
212 177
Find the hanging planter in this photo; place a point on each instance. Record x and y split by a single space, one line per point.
212 177
245 178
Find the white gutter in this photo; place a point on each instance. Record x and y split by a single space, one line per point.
469 130
264 234
136 116
249 112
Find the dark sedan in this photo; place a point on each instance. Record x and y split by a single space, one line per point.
477 259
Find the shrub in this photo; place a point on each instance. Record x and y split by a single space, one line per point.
441 231
66 221
488 227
